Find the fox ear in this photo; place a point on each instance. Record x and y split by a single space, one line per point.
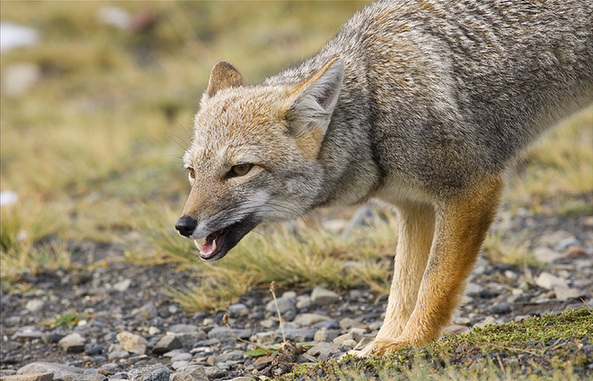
312 101
223 75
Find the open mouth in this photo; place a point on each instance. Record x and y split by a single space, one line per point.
212 244
217 244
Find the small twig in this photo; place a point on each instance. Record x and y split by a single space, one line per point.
273 291
225 320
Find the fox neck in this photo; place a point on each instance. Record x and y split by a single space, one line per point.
350 172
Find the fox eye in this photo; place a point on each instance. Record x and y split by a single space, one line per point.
192 173
239 170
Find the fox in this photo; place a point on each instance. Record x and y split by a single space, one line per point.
418 105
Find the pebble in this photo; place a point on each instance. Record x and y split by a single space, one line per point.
190 374
123 285
238 310
132 343
323 350
27 333
298 335
166 344
60 371
72 343
146 312
156 372
225 335
30 376
321 296
266 338
549 281
35 305
309 319
195 348
285 306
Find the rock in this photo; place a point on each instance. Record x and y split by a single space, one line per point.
298 335
225 335
123 285
52 337
35 305
94 350
502 308
321 296
60 371
565 293
157 372
567 242
72 343
284 305
266 338
326 335
177 365
187 334
473 289
87 377
549 281
455 329
132 343
263 362
340 340
357 333
546 255
303 301
146 312
347 323
327 324
323 351
12 321
182 328
309 319
183 356
108 369
33 375
27 333
238 310
118 355
165 344
213 372
190 374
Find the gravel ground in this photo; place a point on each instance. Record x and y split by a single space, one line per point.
129 328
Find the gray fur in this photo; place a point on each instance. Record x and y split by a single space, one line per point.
439 92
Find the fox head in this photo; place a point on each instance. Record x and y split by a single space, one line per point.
254 154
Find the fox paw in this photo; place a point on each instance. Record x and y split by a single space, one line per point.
380 347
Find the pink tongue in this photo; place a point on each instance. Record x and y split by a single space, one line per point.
210 244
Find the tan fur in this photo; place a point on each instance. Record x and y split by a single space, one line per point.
422 105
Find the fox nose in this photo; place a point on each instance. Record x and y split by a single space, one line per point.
186 226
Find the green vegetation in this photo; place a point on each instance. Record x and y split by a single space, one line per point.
544 348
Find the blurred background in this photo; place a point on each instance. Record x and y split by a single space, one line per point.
97 105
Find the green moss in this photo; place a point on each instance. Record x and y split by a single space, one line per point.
546 347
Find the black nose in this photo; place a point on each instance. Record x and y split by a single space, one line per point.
186 226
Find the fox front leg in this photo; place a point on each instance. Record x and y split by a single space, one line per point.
461 225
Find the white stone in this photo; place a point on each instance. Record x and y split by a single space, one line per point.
549 281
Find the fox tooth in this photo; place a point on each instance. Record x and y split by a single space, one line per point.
214 246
